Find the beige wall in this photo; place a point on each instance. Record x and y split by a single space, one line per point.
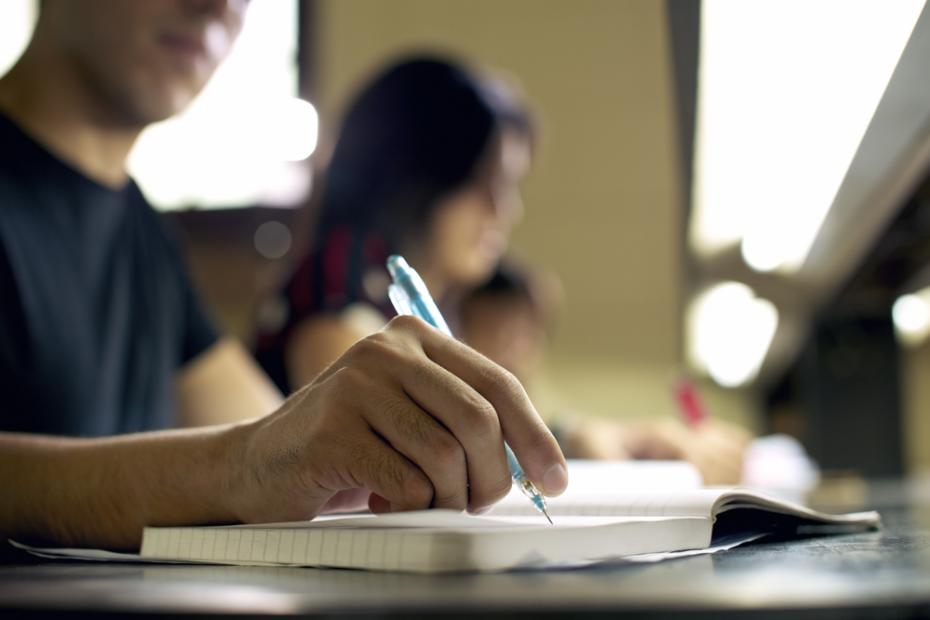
602 201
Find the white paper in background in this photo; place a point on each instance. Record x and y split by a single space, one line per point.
590 482
778 465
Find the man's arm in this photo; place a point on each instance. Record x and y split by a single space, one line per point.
223 384
101 492
407 419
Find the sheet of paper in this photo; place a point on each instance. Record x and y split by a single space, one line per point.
594 482
439 519
649 558
94 555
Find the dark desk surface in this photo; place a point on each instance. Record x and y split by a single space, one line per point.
884 574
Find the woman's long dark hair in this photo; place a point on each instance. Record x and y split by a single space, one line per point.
411 137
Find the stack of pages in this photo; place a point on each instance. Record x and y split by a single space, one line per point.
593 523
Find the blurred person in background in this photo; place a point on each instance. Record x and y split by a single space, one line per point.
510 319
103 341
428 164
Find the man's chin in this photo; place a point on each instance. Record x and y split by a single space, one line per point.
171 104
152 106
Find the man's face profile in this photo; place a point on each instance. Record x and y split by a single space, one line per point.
145 60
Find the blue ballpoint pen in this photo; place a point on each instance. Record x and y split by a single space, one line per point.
410 296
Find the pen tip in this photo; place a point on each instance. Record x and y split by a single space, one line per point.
548 518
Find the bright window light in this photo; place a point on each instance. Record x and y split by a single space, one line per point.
786 91
17 19
238 142
729 331
911 316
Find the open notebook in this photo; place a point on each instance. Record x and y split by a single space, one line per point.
634 524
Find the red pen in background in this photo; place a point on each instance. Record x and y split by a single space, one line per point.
689 402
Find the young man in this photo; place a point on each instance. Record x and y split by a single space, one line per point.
102 340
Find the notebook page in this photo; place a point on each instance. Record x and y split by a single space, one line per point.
420 519
706 502
665 503
741 498
594 486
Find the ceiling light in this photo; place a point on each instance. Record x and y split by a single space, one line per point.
786 90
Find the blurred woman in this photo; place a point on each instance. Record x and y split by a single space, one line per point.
509 319
427 165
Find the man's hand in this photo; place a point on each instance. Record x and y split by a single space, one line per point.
407 419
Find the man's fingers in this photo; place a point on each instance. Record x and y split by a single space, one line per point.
472 421
423 441
535 447
378 505
381 469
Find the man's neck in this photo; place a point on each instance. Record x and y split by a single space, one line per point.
48 100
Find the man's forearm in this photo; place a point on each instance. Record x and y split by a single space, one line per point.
102 492
407 419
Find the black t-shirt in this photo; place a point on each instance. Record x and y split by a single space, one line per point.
96 311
